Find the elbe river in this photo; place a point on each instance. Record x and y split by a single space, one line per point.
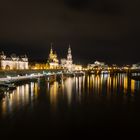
90 104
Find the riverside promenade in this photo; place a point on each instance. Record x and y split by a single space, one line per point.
21 75
20 78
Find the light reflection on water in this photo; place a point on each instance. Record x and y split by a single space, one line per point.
18 98
54 94
70 90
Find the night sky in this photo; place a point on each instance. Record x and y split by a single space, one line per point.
104 30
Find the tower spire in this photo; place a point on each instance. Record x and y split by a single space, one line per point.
51 50
51 45
69 50
69 56
69 46
69 62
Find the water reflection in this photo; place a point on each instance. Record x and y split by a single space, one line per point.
54 94
14 100
69 85
72 90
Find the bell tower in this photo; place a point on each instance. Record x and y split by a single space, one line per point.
69 56
69 59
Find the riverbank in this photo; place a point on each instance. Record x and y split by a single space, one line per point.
20 78
14 73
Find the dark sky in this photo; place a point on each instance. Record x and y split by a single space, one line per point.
105 30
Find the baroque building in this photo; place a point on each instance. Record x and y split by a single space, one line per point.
98 65
135 66
68 63
53 60
13 62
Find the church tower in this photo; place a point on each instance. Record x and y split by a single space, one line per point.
51 53
69 56
53 60
69 59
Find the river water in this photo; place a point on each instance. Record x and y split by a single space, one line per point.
87 105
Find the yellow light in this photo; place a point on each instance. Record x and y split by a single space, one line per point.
132 86
125 84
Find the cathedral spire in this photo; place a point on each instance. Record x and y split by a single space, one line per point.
51 51
51 45
69 50
69 56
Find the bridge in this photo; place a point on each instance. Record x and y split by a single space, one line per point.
113 71
20 75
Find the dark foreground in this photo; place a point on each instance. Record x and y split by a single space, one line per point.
92 106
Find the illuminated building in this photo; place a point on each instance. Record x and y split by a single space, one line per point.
97 64
52 60
13 62
39 66
78 67
136 66
69 60
68 63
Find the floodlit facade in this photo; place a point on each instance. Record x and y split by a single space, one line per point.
97 64
78 67
136 66
39 66
53 60
13 62
68 63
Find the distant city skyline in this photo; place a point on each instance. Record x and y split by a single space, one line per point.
79 56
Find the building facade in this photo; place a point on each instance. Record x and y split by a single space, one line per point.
13 62
98 65
53 60
68 63
136 66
